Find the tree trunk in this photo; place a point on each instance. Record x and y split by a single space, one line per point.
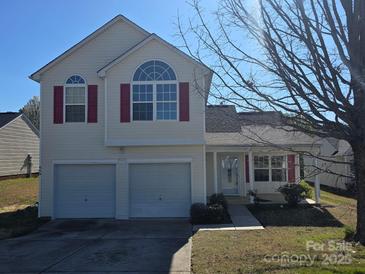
359 162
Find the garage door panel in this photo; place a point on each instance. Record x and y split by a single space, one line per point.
160 190
85 191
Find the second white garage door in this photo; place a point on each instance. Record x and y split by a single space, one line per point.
160 190
84 191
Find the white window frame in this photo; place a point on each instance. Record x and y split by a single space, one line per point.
270 167
68 104
154 95
285 164
141 102
154 100
261 168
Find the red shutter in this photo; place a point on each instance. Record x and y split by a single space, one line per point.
92 103
58 104
125 104
247 169
291 168
184 101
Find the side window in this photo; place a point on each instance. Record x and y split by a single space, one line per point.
75 99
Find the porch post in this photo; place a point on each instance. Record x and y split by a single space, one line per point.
317 184
252 176
215 172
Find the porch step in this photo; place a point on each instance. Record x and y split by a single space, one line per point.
238 200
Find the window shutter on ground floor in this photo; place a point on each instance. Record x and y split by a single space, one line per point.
291 168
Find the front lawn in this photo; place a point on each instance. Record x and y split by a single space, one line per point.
18 212
282 246
18 192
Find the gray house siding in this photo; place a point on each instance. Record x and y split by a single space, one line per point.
17 140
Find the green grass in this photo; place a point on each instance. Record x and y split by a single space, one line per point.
22 191
18 213
287 231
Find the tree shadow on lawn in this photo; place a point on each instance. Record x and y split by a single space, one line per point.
19 222
302 215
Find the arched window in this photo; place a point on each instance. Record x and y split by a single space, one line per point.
75 99
154 92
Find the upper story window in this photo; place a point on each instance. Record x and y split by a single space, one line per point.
75 99
154 92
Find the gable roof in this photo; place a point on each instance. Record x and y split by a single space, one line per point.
225 118
101 72
7 117
227 127
36 75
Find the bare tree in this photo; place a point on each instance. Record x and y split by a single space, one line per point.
32 110
304 58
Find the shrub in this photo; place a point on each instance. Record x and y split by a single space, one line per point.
207 214
198 213
218 199
215 214
349 233
308 192
293 193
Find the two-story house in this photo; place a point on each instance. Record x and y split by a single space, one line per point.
124 133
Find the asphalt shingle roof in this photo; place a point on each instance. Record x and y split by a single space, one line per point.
221 118
6 117
226 126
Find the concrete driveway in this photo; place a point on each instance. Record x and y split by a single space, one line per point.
100 246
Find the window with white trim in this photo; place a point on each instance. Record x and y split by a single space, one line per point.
278 168
270 168
142 102
154 93
261 168
75 99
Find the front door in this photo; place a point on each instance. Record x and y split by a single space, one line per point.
229 174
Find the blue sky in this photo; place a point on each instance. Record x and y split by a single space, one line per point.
34 32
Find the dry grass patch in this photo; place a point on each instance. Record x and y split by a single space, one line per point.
22 191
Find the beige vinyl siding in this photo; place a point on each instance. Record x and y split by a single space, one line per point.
79 140
155 132
17 140
86 142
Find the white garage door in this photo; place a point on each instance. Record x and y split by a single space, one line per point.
159 190
85 191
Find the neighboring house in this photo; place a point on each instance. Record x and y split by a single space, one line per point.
333 166
125 132
19 145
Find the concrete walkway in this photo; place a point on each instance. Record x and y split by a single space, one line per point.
241 217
